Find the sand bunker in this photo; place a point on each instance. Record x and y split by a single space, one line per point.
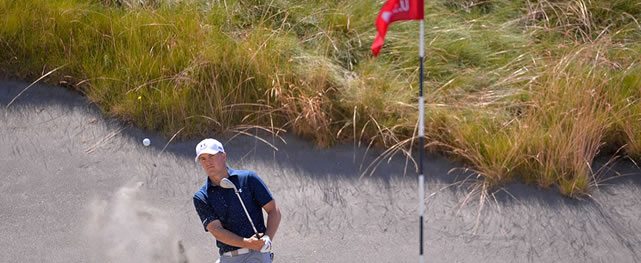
71 193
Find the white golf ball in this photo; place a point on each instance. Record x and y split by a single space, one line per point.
146 142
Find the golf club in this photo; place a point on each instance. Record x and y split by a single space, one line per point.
226 183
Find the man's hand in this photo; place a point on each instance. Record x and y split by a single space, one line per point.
254 243
267 247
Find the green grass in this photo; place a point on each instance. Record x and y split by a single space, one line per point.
524 91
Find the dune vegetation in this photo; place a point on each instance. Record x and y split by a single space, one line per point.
529 90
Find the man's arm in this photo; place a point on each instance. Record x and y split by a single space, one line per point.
223 235
273 218
264 198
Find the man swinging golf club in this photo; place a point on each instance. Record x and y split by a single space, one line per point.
230 205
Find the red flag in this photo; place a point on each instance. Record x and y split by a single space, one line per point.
395 10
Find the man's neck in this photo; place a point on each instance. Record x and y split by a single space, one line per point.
215 180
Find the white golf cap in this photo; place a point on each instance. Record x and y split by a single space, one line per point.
209 146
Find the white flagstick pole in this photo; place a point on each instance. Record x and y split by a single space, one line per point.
421 140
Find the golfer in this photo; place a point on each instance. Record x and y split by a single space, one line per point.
222 213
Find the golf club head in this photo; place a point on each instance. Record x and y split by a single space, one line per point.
226 183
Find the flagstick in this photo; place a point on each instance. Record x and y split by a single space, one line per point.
421 141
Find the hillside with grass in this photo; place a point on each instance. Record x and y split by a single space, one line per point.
528 91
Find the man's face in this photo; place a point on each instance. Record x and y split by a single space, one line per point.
214 165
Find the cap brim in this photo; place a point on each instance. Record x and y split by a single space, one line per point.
206 151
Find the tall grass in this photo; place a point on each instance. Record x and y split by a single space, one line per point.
565 130
519 90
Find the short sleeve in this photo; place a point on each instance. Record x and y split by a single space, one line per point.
205 212
260 191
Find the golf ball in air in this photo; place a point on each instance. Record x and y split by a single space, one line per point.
146 142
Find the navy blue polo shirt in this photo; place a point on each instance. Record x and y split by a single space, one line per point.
213 202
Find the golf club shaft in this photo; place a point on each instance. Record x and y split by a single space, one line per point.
247 214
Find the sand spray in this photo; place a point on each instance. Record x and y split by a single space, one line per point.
128 229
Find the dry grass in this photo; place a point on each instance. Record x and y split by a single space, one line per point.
526 91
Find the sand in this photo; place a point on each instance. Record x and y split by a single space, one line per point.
78 187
